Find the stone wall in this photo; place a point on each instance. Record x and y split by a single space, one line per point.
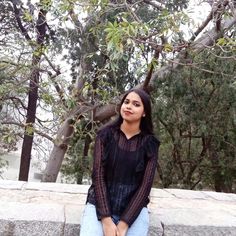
53 209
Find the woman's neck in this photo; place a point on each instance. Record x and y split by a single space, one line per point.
130 129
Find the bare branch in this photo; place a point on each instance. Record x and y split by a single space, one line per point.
198 68
13 63
202 27
132 12
20 25
16 99
209 18
56 70
150 72
158 6
25 125
207 39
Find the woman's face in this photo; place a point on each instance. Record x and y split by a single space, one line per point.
132 108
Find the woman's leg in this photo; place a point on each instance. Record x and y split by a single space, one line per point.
90 225
140 225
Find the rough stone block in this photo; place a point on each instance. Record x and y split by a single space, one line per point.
38 228
196 217
6 228
180 230
72 230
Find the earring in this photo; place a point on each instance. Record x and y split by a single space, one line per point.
143 115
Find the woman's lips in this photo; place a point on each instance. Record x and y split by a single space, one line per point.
128 113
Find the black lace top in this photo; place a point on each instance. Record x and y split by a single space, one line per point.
123 173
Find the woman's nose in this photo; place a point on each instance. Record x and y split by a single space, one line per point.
128 106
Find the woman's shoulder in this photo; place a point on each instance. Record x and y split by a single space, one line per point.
105 133
151 145
152 140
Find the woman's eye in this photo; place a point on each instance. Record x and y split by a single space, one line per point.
136 104
126 102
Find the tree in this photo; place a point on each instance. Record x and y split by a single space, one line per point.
25 33
41 26
196 112
98 70
113 46
127 31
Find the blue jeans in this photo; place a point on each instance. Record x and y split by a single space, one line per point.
91 226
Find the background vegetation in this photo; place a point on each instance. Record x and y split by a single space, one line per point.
65 64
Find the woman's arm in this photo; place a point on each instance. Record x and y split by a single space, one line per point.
102 201
122 228
102 204
109 227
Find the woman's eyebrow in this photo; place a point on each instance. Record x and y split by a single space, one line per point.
136 101
127 99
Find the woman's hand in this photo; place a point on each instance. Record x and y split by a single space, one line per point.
122 228
109 227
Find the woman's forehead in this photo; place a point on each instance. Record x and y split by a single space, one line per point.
133 96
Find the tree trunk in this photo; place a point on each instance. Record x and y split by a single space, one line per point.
61 144
58 152
216 168
29 133
32 99
85 163
220 183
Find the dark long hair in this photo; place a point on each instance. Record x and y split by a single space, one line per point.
146 125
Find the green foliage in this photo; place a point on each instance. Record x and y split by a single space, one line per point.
8 139
46 4
27 16
29 129
77 165
48 98
8 90
195 110
118 34
176 5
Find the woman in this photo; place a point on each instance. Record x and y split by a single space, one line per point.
125 160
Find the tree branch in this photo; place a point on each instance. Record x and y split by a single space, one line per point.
155 5
207 39
25 125
202 27
20 25
14 98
